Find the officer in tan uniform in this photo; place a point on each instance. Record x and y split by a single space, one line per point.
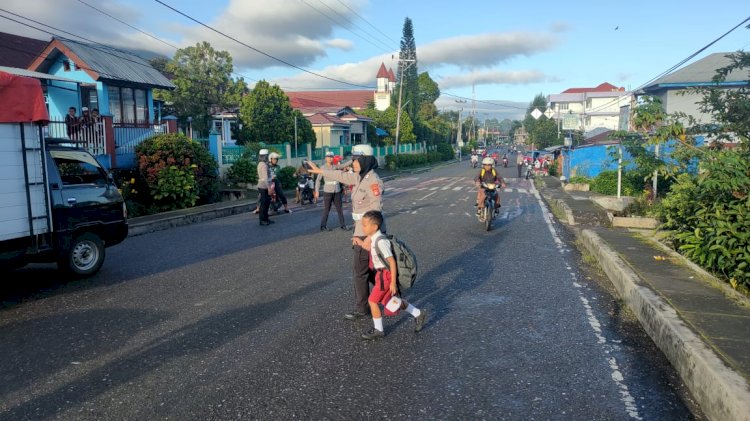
367 195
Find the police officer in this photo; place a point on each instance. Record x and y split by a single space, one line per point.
331 194
264 180
367 195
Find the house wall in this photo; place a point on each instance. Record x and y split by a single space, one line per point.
681 100
590 161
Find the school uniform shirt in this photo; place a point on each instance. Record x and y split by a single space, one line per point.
379 242
367 194
329 185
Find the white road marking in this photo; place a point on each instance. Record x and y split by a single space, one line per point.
428 195
458 188
627 399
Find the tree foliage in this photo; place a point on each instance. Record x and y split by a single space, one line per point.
268 117
408 67
202 77
543 131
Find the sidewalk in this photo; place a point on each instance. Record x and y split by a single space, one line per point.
701 325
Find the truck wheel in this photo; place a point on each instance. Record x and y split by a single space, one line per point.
85 257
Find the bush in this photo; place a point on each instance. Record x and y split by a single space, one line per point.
179 172
243 170
286 177
606 183
710 214
406 160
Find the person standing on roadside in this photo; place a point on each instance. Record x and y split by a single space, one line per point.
367 195
332 192
519 164
264 180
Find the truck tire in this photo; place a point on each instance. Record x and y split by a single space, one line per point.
85 256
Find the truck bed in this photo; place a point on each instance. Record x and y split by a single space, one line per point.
14 203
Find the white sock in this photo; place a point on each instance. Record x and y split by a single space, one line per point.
413 310
378 323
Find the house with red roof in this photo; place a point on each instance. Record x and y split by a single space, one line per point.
592 107
333 114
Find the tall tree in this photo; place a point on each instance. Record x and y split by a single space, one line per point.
407 71
202 76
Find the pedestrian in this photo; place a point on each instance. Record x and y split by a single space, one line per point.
264 180
332 193
386 278
519 164
367 195
72 124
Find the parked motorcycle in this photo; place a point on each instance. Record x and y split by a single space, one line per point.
487 214
305 185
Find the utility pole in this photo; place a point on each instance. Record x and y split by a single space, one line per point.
459 143
400 90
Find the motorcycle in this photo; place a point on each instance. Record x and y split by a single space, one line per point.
487 214
505 162
305 186
474 161
275 201
529 170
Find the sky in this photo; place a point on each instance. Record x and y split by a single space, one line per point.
495 55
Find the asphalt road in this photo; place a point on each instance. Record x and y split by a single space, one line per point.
227 320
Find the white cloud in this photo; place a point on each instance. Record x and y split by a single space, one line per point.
341 44
493 77
484 50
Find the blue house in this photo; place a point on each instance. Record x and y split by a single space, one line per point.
116 83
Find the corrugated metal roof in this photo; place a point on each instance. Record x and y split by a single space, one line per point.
116 65
701 71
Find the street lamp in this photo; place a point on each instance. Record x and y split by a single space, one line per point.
400 90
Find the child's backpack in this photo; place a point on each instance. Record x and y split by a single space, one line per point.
406 262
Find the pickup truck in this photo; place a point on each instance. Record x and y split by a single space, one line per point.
57 203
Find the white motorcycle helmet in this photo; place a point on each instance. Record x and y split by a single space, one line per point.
263 152
273 155
488 161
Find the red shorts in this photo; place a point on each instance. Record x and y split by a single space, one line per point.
381 291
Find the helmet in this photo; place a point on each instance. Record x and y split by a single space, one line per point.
329 153
362 149
263 152
273 155
488 161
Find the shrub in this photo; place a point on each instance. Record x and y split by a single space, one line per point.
710 214
606 183
179 172
394 162
286 177
243 170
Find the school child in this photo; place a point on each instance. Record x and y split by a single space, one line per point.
386 283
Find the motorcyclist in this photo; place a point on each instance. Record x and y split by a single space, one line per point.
488 175
505 160
273 159
474 158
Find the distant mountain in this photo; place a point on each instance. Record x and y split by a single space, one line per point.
503 109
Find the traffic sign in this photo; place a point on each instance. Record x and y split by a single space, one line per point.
536 113
549 113
570 122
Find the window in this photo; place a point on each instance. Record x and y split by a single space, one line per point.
588 103
128 105
564 106
66 65
78 168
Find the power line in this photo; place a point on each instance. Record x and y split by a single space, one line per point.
671 69
366 21
129 25
257 50
347 20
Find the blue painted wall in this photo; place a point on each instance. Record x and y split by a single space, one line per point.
591 160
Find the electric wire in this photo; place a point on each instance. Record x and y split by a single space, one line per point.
209 27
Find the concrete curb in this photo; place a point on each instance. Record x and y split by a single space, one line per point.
198 215
722 393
